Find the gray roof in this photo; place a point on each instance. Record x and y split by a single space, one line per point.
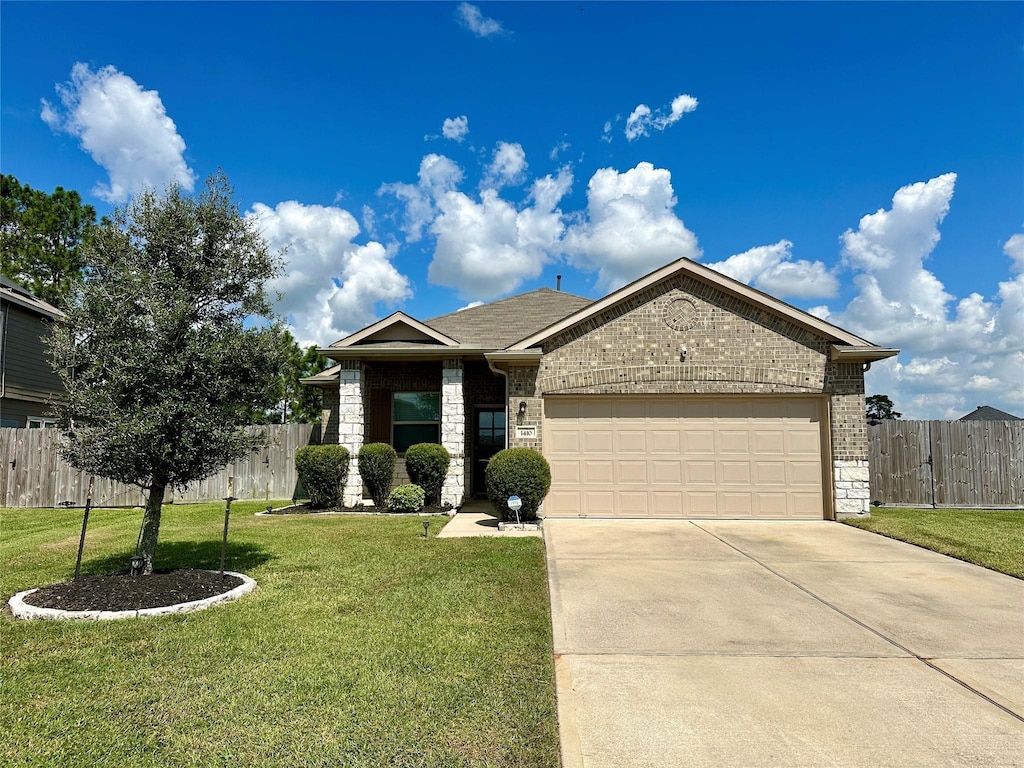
18 294
502 323
988 413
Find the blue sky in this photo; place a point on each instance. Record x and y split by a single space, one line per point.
862 161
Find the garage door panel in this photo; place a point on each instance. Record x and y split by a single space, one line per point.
631 472
564 442
665 441
733 441
685 457
598 472
699 441
700 472
770 472
564 472
769 441
666 472
734 472
599 503
631 441
634 504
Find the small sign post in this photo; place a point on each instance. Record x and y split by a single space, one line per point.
227 517
515 504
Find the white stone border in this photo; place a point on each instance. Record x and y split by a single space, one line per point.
23 610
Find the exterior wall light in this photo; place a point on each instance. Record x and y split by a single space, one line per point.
522 407
682 353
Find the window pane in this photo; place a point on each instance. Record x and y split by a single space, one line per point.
499 418
410 434
486 418
417 406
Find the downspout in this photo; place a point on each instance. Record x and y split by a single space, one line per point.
5 310
504 374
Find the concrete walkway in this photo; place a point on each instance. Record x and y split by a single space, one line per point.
477 518
708 643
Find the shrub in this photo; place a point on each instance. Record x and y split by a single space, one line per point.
427 465
377 467
406 498
518 472
323 470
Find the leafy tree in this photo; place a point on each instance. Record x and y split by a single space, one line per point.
880 407
299 403
162 359
42 237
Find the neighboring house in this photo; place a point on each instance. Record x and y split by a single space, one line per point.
988 413
27 382
683 394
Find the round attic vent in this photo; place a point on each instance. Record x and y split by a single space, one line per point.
681 314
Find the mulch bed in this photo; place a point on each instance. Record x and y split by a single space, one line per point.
123 592
305 509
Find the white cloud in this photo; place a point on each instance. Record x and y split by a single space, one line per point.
437 175
470 306
956 353
771 268
489 248
124 128
642 119
558 149
1014 248
455 128
481 26
508 166
331 285
630 227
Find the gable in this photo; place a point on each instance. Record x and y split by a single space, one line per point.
731 345
396 328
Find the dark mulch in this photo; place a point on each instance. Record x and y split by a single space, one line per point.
306 509
122 592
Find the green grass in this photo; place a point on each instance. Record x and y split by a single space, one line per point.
992 538
364 645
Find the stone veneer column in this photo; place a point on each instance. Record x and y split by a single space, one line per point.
351 421
453 431
852 487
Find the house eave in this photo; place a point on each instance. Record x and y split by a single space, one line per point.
400 353
866 354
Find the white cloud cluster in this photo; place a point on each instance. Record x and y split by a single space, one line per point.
957 354
330 285
630 227
124 128
642 119
455 128
771 269
437 175
508 166
488 248
481 26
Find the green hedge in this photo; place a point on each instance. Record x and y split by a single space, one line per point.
377 468
323 470
427 465
406 498
518 472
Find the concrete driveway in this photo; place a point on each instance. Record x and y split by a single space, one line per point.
706 643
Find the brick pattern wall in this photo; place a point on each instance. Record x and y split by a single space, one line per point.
522 387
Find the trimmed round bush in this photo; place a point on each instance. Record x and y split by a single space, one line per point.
520 472
323 470
406 498
377 468
427 465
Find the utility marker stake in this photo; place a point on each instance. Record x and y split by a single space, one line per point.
227 517
85 522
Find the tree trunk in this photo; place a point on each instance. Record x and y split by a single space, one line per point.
151 526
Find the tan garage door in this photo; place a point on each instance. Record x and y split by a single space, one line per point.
757 457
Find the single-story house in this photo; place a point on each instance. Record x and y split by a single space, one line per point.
28 384
683 394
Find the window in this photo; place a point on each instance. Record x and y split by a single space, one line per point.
416 418
40 423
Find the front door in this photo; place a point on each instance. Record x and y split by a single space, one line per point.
488 439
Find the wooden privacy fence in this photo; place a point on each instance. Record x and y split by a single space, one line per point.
947 463
33 475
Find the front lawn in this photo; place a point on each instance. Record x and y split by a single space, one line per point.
992 538
364 645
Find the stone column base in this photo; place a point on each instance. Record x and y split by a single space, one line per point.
852 490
